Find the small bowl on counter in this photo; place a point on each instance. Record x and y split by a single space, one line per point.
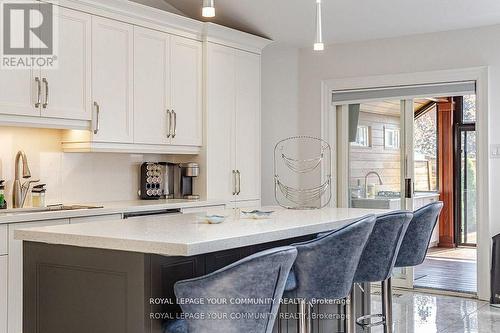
256 214
215 219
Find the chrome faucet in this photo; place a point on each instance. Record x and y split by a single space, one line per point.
20 191
366 181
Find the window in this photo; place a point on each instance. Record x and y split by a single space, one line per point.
391 138
469 109
362 137
426 150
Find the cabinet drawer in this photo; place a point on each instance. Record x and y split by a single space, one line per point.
3 239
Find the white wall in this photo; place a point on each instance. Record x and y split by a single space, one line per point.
419 53
279 107
70 177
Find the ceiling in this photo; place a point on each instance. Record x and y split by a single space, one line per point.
392 107
293 21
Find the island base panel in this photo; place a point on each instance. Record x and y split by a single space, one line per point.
81 290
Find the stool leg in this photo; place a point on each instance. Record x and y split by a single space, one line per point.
388 317
304 316
351 312
387 305
309 308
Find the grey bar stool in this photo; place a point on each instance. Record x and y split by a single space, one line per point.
325 266
377 262
242 297
418 235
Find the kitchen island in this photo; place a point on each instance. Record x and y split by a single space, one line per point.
118 276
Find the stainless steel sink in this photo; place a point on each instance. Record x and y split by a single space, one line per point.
51 208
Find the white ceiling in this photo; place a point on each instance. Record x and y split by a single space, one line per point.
292 21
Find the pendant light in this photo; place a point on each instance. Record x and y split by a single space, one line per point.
318 44
208 8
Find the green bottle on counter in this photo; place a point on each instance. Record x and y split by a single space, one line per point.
3 203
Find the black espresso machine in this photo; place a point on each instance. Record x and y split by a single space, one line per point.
168 180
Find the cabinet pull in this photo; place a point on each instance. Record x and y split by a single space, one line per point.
234 182
175 124
44 105
169 123
97 111
238 173
39 92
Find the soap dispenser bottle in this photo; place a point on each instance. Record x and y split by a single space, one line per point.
3 203
38 196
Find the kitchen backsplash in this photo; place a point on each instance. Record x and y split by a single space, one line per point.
70 177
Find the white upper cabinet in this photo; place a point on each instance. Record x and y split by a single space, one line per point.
247 134
66 91
62 92
151 86
167 89
186 91
18 92
112 80
233 123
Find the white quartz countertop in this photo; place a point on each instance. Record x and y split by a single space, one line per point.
190 234
113 207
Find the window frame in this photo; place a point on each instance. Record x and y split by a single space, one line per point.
396 132
368 137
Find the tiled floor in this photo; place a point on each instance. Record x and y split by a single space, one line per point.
426 313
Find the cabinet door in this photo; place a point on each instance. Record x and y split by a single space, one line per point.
15 273
3 293
19 92
220 101
66 91
247 135
112 74
187 91
151 86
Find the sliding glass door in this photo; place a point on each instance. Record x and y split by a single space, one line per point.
465 168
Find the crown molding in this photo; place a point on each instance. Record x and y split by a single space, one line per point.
219 34
153 18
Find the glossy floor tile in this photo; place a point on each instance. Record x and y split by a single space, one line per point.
426 313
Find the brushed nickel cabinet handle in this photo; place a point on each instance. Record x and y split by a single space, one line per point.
175 124
39 92
169 123
97 112
234 182
44 105
239 182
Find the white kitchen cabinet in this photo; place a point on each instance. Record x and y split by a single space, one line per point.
233 124
151 86
66 90
3 239
15 273
220 97
186 91
62 92
18 92
3 293
247 125
112 80
167 89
